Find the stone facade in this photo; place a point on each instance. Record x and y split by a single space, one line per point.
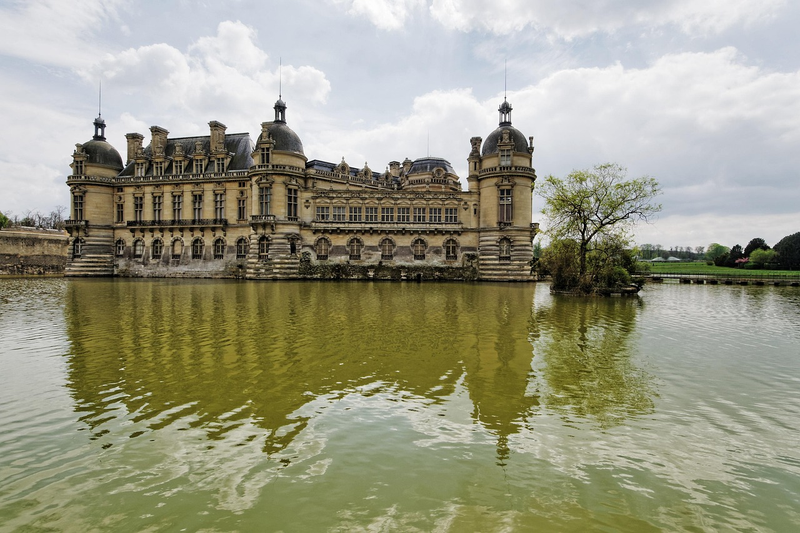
31 251
224 206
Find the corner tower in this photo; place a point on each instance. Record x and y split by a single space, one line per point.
502 174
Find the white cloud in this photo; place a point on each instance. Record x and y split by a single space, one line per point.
384 14
572 19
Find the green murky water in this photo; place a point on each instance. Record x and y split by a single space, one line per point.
141 405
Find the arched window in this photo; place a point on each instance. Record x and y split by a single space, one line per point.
77 247
219 248
323 247
157 248
505 249
138 248
387 250
418 247
450 250
242 247
119 248
177 248
263 248
355 246
197 248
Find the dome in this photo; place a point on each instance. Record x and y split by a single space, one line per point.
100 152
284 138
519 140
427 164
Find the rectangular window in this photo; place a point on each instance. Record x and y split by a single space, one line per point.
505 158
199 166
138 208
78 168
264 200
197 206
158 168
139 169
404 214
177 207
435 214
242 209
178 167
371 214
264 155
451 214
323 212
219 165
387 214
120 212
419 214
77 207
242 184
505 211
355 214
338 213
219 205
157 203
291 204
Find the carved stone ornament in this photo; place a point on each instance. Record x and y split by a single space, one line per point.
506 136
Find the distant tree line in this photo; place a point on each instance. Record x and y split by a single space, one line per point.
35 219
757 254
652 251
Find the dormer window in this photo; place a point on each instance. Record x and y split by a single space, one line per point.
77 168
199 166
265 155
505 157
140 169
219 165
158 168
178 167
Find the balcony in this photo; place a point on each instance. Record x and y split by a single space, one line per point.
394 226
75 223
177 222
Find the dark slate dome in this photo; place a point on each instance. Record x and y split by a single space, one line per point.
427 164
490 144
284 138
100 152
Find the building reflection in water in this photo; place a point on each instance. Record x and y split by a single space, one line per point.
216 355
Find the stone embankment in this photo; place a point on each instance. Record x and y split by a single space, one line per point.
32 252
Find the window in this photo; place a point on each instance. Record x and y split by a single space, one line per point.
355 246
119 248
505 157
338 213
418 247
157 203
120 212
387 214
323 212
505 249
77 247
291 204
387 250
242 210
178 167
139 169
323 247
242 184
77 206
157 248
263 248
451 214
265 155
371 214
158 168
264 199
219 165
219 205
404 214
197 248
505 211
450 250
435 214
355 214
242 247
197 206
138 248
138 208
199 166
177 248
78 168
219 248
419 214
177 206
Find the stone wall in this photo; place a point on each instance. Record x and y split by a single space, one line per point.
31 251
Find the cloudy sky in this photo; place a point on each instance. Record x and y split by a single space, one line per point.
704 96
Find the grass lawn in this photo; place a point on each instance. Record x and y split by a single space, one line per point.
703 268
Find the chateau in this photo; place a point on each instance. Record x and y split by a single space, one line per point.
221 205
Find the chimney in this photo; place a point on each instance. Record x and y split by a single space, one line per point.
134 145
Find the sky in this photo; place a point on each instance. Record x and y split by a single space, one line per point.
702 96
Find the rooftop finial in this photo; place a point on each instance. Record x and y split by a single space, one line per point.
505 79
99 123
100 99
280 78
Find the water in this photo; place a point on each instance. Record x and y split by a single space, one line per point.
193 405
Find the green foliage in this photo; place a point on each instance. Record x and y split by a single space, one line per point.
560 261
609 266
734 255
789 252
755 244
760 258
592 205
4 221
715 250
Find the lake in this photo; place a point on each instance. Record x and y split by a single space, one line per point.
200 405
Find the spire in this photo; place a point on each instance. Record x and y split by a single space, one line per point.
505 107
99 123
280 105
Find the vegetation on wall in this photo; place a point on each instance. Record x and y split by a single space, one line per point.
383 271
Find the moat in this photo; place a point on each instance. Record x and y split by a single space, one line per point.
170 405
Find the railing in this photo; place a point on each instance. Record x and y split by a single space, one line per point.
262 218
75 223
362 225
739 275
179 222
521 170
